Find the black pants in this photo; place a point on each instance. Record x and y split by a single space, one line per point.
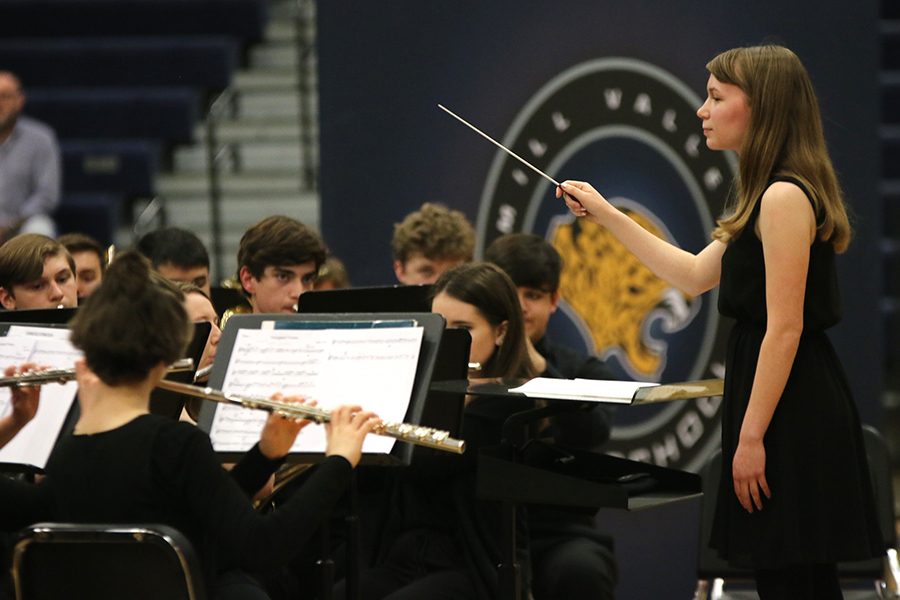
799 582
572 568
420 564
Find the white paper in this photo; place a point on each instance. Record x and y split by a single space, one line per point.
584 390
46 347
371 368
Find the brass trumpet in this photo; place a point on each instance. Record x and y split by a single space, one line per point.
413 434
66 375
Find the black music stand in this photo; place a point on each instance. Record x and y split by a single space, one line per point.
170 404
433 331
226 298
418 411
391 298
38 316
509 474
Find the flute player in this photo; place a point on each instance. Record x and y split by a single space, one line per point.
125 465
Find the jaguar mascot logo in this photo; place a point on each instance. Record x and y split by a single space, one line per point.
617 296
630 128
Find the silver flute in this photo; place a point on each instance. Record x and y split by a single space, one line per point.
66 375
405 432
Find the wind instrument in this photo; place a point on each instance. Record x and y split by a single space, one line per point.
66 375
405 432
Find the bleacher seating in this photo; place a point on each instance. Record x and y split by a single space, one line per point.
206 63
126 167
243 20
96 214
166 114
122 82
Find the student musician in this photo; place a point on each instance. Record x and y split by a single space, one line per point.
36 272
90 261
124 465
570 557
429 241
278 259
439 541
177 254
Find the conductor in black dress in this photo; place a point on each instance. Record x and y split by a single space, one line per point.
795 495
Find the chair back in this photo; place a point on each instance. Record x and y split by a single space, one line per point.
59 560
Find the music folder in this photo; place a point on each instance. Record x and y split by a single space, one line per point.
379 361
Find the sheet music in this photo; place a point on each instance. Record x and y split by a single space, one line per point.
587 390
52 348
372 368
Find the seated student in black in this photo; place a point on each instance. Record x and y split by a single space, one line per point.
124 465
570 558
438 541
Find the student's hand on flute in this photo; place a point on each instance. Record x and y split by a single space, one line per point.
584 201
280 432
346 431
25 400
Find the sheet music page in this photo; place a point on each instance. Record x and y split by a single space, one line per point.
43 346
372 368
583 390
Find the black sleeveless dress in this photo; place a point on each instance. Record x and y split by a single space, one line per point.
822 508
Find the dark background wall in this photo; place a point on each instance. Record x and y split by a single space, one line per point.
386 148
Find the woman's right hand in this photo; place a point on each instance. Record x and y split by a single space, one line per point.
584 201
346 431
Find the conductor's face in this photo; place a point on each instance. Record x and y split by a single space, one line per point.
279 288
55 288
725 115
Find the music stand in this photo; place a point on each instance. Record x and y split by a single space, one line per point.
170 404
577 479
38 316
432 332
393 298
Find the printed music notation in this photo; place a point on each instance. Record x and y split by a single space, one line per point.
373 368
48 347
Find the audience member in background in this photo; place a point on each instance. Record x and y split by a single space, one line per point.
29 167
429 241
570 557
36 272
90 261
177 254
332 275
278 260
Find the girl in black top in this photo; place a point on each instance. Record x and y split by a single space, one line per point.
124 465
438 540
795 495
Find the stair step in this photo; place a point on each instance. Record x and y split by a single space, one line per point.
274 55
277 156
266 79
258 182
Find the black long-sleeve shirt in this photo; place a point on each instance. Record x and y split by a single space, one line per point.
155 470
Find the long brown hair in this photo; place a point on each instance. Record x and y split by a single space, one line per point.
492 293
784 137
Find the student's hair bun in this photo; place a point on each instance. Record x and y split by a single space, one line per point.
128 275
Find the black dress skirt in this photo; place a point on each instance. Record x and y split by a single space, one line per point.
822 508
